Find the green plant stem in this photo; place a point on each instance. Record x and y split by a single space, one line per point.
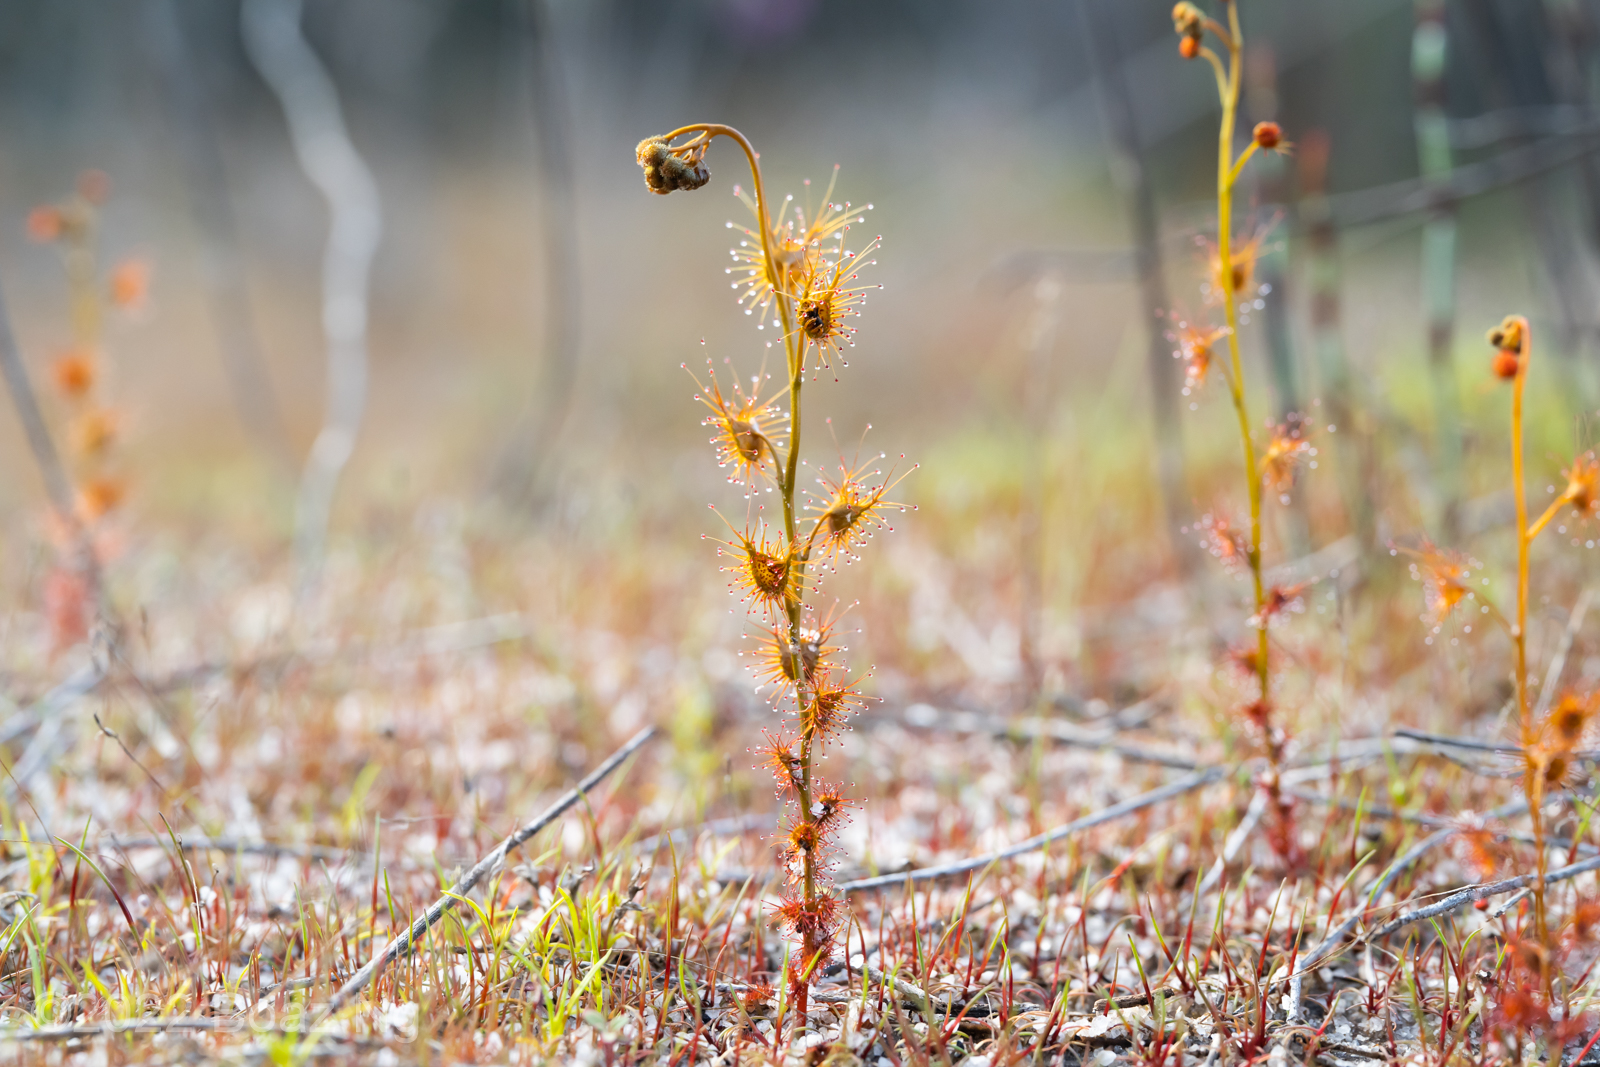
795 347
1227 172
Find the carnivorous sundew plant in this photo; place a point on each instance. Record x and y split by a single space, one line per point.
1551 725
796 273
1272 464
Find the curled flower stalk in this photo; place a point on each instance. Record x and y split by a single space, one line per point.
795 272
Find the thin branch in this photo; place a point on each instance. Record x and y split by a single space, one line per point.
1419 195
195 1024
1116 811
915 995
487 865
927 717
1473 894
235 846
322 144
1447 741
52 712
1473 745
56 482
1325 949
1534 120
444 639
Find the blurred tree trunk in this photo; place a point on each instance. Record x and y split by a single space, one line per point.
1511 45
1353 443
1429 52
1269 177
529 457
222 265
1104 48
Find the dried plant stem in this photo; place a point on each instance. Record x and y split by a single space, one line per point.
57 481
1186 784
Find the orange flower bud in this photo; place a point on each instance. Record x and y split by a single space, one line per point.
1506 364
1188 23
1268 135
73 373
100 496
1508 342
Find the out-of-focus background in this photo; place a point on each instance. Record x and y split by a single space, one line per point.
529 439
353 493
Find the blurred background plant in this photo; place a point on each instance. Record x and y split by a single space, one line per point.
472 121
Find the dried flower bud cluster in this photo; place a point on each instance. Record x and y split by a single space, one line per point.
666 171
1189 24
1508 341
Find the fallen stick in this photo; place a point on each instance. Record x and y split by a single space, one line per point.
202 1024
1414 196
1335 938
909 991
1436 822
236 845
1032 844
57 485
1471 744
1448 741
926 717
480 870
738 824
51 712
444 639
1474 893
